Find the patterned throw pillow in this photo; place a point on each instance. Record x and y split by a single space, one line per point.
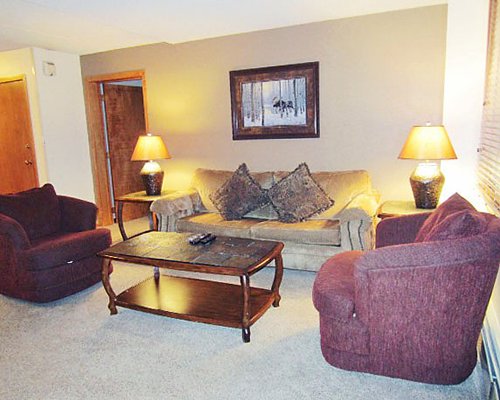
239 195
297 196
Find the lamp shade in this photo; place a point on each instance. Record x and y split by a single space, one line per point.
428 143
149 147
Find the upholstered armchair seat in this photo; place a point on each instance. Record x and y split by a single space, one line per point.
413 307
48 245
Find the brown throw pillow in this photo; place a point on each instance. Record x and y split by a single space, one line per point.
452 205
297 196
239 195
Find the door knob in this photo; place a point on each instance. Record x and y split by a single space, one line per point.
28 162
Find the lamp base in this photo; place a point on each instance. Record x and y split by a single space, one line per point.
426 183
153 183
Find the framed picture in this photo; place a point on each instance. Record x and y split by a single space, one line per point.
279 102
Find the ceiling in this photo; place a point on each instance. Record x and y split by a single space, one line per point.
91 26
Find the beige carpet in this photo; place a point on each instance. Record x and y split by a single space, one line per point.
73 349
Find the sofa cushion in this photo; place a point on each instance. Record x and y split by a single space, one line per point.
207 181
36 210
214 223
297 196
452 205
239 195
461 224
51 251
320 232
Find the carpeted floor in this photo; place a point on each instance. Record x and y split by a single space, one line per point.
73 349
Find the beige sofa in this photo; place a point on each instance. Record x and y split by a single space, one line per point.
347 225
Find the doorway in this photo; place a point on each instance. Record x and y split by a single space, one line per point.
17 165
116 112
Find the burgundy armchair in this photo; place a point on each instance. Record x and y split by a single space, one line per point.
48 245
413 307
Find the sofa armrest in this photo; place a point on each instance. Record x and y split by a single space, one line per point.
357 221
77 215
399 230
169 209
13 232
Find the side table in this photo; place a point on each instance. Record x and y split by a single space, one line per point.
137 197
396 208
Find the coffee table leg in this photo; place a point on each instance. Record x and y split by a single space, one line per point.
107 286
245 285
278 276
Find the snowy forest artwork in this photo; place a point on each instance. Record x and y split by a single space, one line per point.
280 102
274 103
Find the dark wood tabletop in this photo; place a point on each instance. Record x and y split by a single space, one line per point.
224 256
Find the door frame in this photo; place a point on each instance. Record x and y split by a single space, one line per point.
97 143
22 78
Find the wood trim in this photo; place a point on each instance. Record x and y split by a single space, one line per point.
98 153
96 137
13 78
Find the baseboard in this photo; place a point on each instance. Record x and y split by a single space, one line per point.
491 343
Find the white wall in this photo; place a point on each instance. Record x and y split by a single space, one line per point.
62 112
466 47
20 62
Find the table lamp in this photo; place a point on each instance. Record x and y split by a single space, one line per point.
429 144
149 148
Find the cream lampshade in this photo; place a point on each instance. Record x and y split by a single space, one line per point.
429 144
149 148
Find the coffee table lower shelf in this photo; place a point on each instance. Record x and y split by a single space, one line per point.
211 302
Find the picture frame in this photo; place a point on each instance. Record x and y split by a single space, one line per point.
279 102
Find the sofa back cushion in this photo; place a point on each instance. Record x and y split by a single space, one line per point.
452 205
36 210
340 186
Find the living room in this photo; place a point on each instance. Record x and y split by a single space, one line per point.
380 74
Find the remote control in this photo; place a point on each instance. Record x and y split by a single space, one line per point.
208 239
197 238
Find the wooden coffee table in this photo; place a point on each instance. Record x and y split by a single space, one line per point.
212 302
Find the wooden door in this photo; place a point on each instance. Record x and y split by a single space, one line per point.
125 122
18 168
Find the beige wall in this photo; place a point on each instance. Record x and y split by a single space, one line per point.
379 75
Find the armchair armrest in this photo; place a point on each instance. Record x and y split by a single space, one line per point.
77 215
357 221
171 208
399 230
12 231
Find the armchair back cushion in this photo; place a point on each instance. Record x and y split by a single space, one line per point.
452 205
36 210
458 225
